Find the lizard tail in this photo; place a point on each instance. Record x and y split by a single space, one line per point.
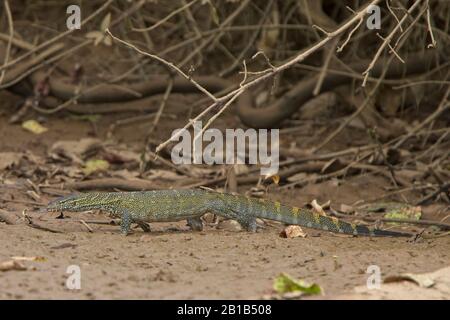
311 219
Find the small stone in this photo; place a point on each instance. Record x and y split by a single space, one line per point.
230 225
260 222
292 232
145 238
209 217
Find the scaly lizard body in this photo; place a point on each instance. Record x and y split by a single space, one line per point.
174 205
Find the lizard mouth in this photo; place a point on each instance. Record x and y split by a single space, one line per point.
50 209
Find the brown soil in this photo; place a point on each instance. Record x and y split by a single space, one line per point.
207 265
173 262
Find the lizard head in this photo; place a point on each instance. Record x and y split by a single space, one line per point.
76 202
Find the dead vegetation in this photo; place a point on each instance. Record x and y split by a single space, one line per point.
351 103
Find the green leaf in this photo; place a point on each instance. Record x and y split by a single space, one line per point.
405 212
285 284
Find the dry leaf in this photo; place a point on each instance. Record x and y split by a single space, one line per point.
318 208
12 265
427 286
99 36
293 232
76 150
93 34
105 22
421 280
34 127
95 165
297 177
276 179
107 41
34 258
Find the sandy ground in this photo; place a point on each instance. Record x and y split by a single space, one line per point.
174 262
206 265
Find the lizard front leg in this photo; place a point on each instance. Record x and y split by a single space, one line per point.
125 223
127 220
249 224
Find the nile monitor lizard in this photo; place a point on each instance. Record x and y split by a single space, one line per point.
174 205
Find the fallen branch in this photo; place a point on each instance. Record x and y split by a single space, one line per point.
112 183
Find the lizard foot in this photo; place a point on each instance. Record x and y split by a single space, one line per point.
144 226
125 223
196 224
249 224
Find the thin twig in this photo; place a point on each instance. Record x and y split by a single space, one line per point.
443 105
58 37
165 62
269 73
86 225
168 17
430 29
11 36
17 42
387 40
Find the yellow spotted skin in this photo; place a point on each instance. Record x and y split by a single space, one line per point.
173 205
277 206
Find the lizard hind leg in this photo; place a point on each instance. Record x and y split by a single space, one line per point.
195 223
246 220
144 226
249 223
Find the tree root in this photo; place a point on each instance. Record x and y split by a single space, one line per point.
110 97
